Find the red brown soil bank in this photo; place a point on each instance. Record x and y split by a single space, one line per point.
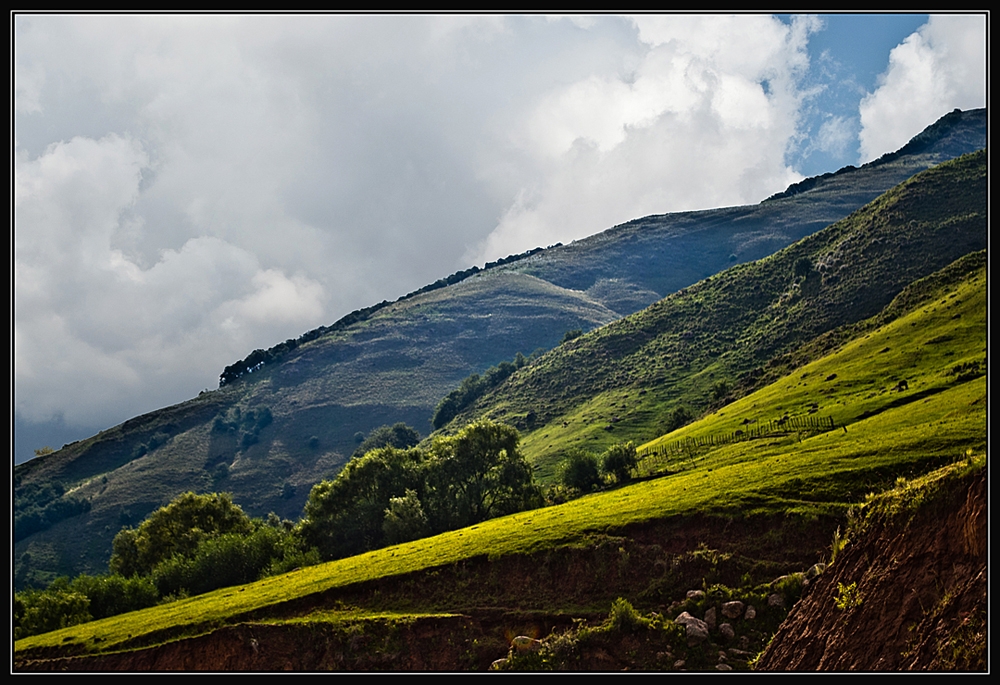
922 592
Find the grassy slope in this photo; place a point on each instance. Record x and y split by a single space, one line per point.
396 365
819 474
621 381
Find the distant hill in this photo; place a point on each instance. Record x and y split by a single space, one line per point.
268 434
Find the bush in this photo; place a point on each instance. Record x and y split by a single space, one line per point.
405 519
114 594
41 611
625 619
620 461
580 470
177 528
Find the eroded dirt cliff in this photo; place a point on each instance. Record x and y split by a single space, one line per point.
908 594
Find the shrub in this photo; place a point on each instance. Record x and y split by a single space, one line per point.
623 618
41 611
620 460
580 470
405 519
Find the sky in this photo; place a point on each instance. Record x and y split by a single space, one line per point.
190 187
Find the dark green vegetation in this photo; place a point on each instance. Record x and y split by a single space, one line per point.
270 436
195 544
475 386
392 495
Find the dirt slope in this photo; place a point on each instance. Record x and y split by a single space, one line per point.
912 595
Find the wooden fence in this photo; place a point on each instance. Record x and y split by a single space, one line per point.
658 458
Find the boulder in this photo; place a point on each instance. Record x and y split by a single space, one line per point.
697 630
732 609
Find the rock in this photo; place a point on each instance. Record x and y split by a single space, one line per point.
695 594
498 664
697 630
723 667
523 643
710 619
732 609
679 664
775 600
727 632
751 613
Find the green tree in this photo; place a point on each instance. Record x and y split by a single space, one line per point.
398 435
344 516
803 267
41 611
113 594
620 460
405 519
580 470
480 474
176 528
679 417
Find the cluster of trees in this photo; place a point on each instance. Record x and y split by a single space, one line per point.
475 386
194 544
583 471
247 425
398 435
392 494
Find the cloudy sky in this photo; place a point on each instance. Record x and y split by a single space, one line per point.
188 188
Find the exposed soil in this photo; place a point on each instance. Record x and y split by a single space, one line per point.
913 597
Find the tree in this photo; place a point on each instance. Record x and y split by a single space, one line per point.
620 460
398 435
679 417
405 519
480 474
176 528
580 470
803 267
344 516
41 611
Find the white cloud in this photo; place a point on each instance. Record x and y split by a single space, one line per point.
96 333
834 135
703 120
940 67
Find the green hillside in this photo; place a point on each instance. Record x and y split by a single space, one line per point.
706 515
269 434
707 344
